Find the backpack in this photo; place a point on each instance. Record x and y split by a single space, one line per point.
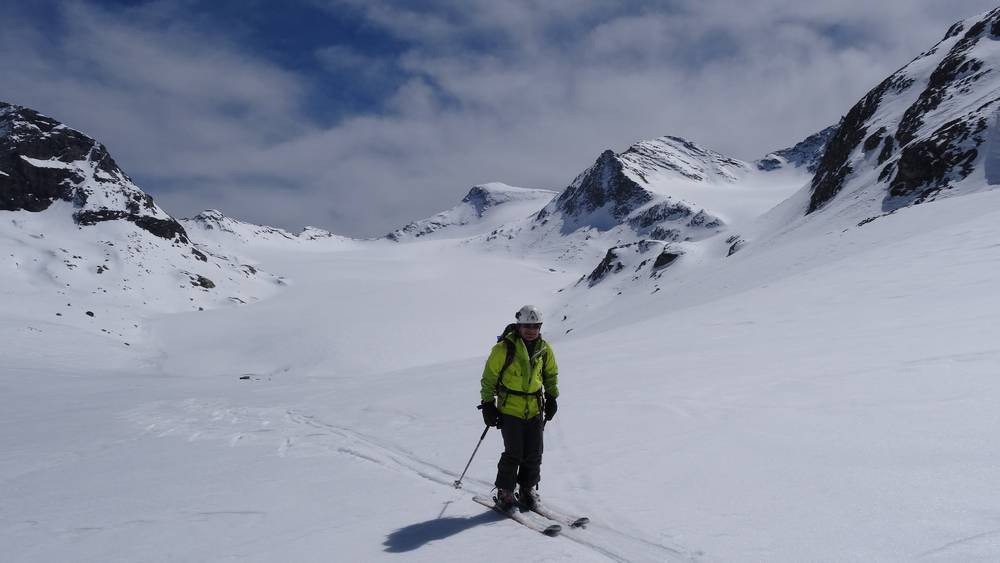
512 327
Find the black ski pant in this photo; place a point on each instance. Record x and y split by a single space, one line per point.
521 461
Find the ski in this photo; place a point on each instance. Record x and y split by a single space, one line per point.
556 516
516 515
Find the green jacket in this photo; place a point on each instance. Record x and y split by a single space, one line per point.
534 376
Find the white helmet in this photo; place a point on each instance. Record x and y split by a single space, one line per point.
528 315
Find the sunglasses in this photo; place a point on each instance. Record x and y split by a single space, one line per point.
532 326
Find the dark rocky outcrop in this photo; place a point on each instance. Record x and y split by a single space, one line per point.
665 259
956 70
834 167
633 257
603 186
932 143
42 161
609 265
930 165
614 191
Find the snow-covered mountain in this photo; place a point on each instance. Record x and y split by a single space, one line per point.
233 237
927 131
667 190
639 188
88 243
805 154
43 161
485 207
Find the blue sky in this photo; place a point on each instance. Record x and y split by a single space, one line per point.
359 116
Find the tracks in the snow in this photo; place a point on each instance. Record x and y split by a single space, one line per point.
297 433
609 542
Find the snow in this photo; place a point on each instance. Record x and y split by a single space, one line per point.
50 163
821 395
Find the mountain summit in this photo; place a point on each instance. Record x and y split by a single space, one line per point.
638 187
42 161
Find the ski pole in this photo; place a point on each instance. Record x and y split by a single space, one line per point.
458 483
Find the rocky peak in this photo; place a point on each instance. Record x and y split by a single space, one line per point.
627 190
806 153
675 156
42 161
486 196
603 186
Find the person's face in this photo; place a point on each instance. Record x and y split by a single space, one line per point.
529 332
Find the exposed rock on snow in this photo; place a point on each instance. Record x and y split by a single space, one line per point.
636 259
44 161
628 189
930 118
76 227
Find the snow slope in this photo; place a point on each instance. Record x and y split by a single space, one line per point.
782 413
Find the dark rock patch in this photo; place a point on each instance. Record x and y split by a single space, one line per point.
735 244
834 167
201 281
663 233
927 166
955 67
603 185
609 265
665 259
874 139
169 229
886 150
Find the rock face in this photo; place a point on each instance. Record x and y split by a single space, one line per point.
643 258
629 189
42 161
920 133
805 154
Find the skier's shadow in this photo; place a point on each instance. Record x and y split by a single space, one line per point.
416 536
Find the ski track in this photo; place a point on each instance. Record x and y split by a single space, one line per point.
221 421
959 542
400 459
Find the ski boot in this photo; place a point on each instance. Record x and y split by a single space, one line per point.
505 499
528 497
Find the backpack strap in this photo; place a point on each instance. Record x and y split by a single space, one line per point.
506 364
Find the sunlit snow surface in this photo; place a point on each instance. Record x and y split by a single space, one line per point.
825 394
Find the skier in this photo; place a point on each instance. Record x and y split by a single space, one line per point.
518 391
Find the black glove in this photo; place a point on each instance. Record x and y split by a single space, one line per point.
491 416
551 406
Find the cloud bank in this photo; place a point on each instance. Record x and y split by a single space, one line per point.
525 92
